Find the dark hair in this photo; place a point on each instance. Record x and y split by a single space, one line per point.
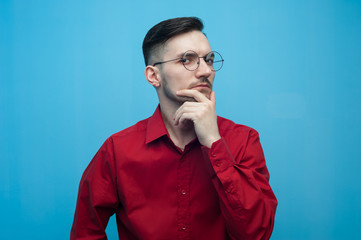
163 31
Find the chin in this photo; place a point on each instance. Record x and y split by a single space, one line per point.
208 95
206 92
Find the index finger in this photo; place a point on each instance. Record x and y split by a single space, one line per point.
199 97
212 97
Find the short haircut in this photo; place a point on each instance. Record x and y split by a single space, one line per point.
159 34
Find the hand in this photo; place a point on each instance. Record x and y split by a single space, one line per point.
202 113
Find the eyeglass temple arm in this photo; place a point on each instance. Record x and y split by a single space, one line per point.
166 61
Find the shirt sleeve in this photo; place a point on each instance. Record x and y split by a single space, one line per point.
97 197
240 177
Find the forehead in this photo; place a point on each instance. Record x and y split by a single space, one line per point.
194 40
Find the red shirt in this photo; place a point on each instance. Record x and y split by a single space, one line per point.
158 191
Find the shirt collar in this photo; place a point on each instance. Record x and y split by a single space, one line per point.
155 127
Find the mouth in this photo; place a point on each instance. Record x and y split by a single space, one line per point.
201 86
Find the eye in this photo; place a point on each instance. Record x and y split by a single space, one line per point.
185 60
209 58
210 61
189 59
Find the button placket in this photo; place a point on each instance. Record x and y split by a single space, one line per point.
183 211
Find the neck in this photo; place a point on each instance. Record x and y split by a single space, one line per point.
181 135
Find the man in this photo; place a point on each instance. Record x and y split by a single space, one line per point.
183 173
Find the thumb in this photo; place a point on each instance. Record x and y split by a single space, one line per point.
212 97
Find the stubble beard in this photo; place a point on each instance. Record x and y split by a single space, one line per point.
182 99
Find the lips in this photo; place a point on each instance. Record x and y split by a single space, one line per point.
202 85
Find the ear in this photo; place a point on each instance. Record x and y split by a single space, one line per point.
152 75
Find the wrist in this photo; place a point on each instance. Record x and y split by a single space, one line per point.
211 141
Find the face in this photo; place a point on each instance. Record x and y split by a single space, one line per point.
174 76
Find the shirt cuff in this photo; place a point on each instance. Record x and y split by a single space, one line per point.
219 155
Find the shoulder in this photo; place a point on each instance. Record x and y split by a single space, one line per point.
243 141
134 132
228 127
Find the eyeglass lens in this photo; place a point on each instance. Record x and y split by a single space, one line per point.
191 60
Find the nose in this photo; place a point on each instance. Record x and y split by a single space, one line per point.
203 70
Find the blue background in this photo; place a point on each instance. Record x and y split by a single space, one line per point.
72 74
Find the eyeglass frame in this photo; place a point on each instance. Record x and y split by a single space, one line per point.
198 63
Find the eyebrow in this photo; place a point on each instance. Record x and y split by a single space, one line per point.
180 54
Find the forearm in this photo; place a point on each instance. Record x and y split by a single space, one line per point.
246 199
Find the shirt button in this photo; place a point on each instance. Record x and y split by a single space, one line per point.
184 192
184 228
218 164
230 189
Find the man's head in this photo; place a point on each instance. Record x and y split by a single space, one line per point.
158 35
165 46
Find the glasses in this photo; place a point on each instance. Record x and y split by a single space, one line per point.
191 60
